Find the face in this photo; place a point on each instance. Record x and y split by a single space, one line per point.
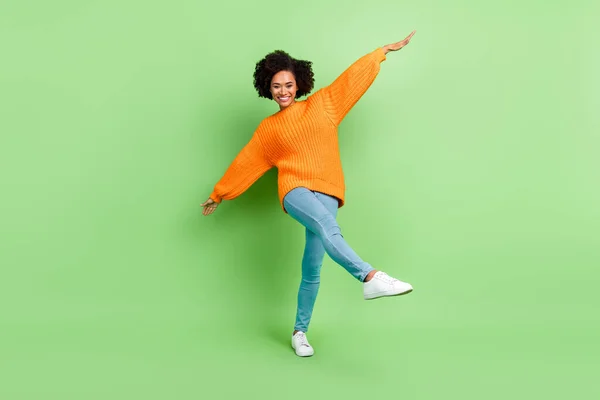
283 88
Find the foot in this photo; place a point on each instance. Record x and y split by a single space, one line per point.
301 345
384 285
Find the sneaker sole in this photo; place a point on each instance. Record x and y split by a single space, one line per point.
303 355
388 295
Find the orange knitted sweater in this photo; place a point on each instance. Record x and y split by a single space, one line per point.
301 140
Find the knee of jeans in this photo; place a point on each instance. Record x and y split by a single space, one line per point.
329 226
311 273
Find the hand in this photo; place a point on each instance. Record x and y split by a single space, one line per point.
398 45
209 206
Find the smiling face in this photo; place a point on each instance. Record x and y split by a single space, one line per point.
283 88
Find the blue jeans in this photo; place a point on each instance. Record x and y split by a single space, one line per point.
317 212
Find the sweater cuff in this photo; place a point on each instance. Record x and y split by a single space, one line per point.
216 198
381 56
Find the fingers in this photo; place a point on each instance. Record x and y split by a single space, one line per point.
407 39
399 45
209 209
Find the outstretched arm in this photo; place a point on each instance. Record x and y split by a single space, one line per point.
247 167
341 95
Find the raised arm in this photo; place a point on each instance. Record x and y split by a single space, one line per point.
246 168
341 95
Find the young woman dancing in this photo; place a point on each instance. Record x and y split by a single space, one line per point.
301 141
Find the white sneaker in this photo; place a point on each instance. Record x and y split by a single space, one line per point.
381 284
301 345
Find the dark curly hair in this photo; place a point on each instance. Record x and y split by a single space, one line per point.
277 61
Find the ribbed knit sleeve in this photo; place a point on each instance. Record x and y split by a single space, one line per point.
348 88
247 167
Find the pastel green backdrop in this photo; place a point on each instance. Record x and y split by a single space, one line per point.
471 167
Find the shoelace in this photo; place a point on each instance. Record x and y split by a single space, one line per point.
386 278
302 339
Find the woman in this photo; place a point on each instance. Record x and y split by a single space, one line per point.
301 141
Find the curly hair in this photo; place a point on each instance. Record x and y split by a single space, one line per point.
277 61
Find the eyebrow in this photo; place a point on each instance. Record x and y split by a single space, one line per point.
277 83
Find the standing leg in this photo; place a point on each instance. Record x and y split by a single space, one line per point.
312 261
314 252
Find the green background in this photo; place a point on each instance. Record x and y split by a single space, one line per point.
472 172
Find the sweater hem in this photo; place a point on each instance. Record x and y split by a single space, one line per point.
316 185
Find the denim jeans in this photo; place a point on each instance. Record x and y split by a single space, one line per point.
317 213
